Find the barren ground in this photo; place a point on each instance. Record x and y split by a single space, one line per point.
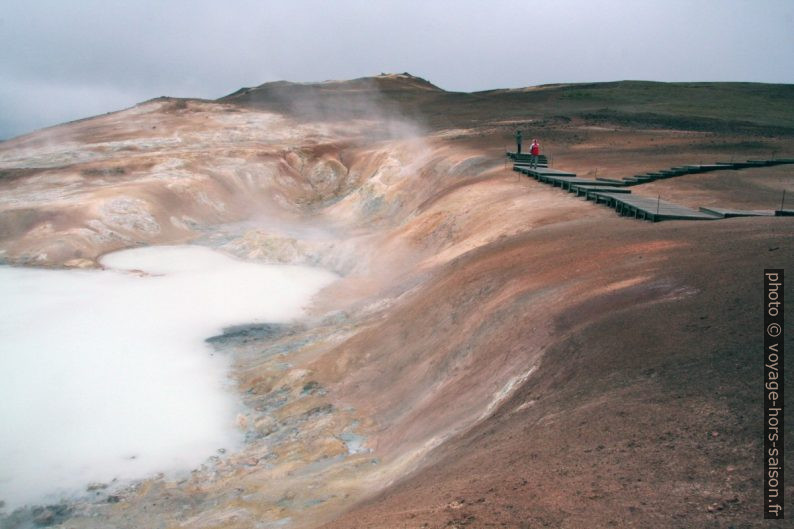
498 352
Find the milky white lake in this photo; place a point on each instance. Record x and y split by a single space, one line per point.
105 374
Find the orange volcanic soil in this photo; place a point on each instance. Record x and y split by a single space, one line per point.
644 407
498 352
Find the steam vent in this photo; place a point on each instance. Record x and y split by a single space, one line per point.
354 304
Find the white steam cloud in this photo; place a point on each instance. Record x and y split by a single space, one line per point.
105 374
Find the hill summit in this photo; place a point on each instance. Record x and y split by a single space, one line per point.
385 82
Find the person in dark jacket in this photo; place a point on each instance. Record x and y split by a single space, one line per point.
518 142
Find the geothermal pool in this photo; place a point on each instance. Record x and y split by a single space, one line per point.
105 374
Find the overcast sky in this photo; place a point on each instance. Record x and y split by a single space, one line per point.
62 60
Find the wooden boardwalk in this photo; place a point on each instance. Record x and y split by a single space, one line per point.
700 168
527 164
651 209
614 193
568 183
526 157
590 191
541 171
726 213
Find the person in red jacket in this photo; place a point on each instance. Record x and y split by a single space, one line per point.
534 150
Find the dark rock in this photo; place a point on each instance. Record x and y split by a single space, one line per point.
311 387
242 334
50 515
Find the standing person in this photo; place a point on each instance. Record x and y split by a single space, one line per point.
518 142
534 150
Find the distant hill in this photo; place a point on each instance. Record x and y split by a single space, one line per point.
356 98
751 108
